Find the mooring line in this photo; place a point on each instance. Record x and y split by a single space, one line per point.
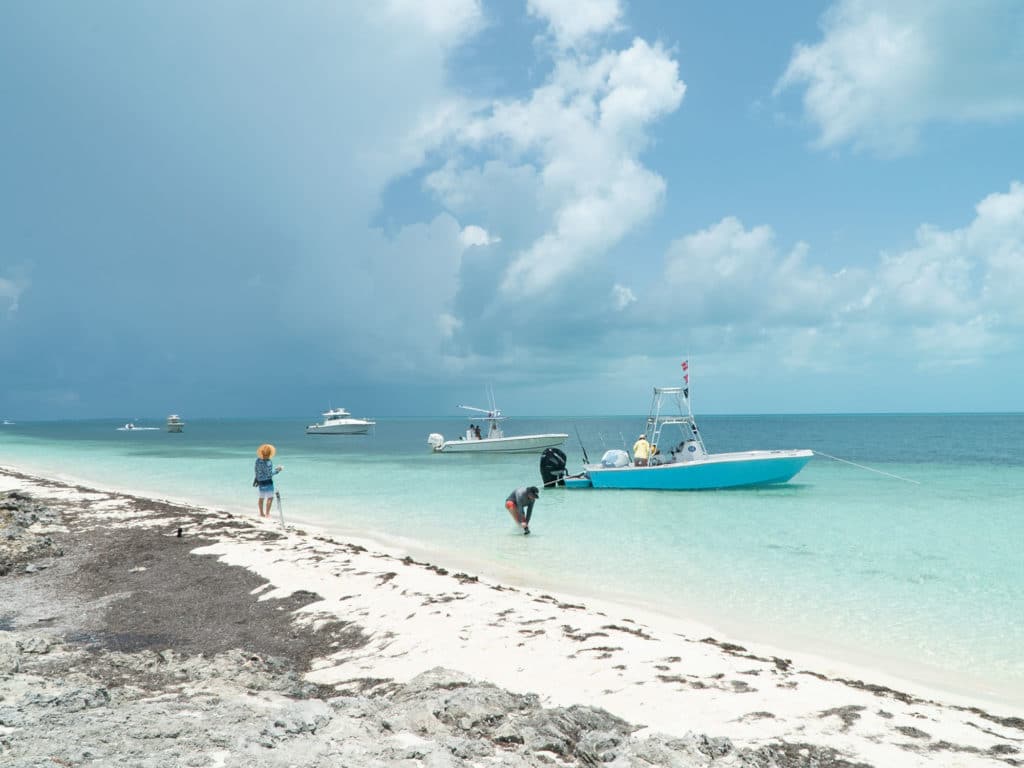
869 469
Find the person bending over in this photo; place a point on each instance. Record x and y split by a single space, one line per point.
520 505
641 452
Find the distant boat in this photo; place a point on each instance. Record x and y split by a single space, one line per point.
338 421
494 440
130 427
174 423
687 466
7 423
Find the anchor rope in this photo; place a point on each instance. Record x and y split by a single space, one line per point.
869 469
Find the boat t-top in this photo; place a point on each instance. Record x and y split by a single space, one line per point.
338 421
174 423
678 460
494 440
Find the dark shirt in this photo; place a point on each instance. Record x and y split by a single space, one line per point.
524 504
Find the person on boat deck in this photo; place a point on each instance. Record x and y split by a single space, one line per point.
520 505
265 471
641 451
476 431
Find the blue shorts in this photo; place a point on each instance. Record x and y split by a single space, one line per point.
267 493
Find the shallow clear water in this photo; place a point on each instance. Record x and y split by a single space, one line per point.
924 580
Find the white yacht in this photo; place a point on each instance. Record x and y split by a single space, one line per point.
338 421
174 423
494 440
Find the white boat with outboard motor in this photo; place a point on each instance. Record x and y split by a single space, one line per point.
338 421
130 427
687 466
494 440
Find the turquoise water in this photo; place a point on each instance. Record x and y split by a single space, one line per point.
921 580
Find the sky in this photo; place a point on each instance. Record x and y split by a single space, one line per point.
255 208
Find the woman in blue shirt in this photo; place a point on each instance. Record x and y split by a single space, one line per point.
265 471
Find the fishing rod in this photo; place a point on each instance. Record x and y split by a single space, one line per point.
586 459
869 469
280 509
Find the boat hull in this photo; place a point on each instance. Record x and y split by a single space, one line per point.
338 429
517 444
722 470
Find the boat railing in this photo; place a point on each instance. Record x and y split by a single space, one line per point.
663 399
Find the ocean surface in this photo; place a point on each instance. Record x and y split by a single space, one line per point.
922 580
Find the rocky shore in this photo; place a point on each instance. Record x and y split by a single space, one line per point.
123 644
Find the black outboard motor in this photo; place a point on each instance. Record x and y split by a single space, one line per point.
552 467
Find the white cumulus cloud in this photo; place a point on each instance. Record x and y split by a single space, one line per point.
622 296
573 22
582 131
449 21
962 274
954 296
730 274
883 70
473 235
10 293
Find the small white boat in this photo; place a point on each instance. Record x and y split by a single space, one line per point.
338 421
7 423
687 466
494 440
130 427
174 423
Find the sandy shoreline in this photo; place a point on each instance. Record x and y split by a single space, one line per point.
848 661
366 621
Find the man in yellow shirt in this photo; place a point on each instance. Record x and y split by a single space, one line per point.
641 452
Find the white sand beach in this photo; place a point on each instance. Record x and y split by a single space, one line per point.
665 675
